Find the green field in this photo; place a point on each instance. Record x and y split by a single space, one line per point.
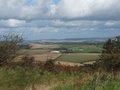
83 48
78 57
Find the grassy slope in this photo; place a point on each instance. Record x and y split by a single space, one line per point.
20 79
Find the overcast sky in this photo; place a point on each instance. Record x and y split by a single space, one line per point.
55 19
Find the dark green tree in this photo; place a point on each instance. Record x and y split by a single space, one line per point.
110 57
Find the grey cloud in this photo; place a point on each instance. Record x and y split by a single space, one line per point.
76 24
11 23
19 9
64 10
89 9
68 16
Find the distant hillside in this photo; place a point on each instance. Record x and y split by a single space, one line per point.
69 40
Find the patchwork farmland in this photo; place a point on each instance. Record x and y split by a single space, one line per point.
44 52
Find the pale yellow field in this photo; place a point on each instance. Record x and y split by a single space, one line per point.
43 46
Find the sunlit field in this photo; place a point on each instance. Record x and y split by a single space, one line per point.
78 57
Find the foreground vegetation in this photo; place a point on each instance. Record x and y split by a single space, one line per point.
37 79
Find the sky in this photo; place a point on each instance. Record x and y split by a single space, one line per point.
58 19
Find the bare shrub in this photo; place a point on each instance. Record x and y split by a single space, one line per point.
8 48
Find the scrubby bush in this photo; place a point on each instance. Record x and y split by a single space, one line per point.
110 57
50 65
8 48
27 61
